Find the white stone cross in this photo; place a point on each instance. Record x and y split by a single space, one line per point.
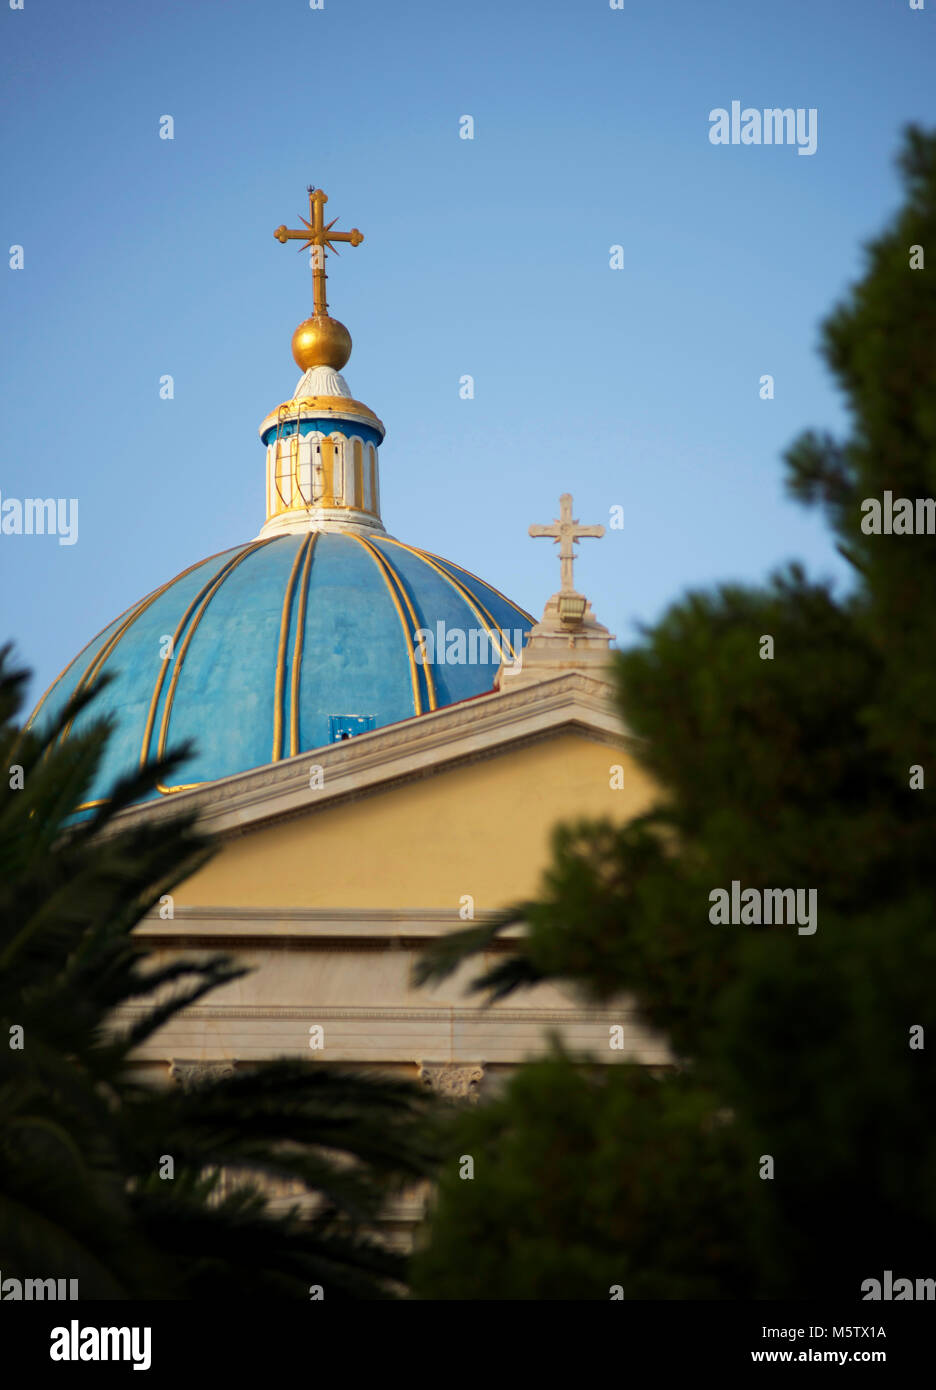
567 532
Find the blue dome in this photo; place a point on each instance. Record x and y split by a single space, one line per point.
284 645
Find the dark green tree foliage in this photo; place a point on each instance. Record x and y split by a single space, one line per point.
82 1138
542 1217
791 772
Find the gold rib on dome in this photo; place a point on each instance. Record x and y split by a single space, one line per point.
133 612
479 609
157 688
385 571
199 602
398 580
177 665
461 569
426 666
136 610
303 552
75 659
296 673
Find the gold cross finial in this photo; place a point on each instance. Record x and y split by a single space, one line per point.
567 532
320 238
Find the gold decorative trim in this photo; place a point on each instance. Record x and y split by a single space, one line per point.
478 580
177 666
481 613
280 681
323 405
398 580
329 456
297 651
357 461
75 659
157 689
384 569
135 611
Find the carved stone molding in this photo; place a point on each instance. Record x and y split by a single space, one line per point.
465 732
400 917
191 1075
455 1080
446 1014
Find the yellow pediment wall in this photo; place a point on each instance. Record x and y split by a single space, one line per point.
481 828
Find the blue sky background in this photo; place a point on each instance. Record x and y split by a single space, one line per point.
636 387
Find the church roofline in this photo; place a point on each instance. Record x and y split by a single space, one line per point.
458 734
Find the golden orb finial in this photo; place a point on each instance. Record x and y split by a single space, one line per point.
321 341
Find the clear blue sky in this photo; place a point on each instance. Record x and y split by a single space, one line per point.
636 387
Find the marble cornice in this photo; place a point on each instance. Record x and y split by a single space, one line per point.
392 1013
456 735
357 926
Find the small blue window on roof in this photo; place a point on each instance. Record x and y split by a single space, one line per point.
342 726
